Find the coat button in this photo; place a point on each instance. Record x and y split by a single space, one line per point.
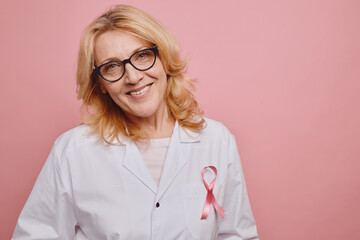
157 204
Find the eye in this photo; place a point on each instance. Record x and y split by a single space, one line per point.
143 54
111 67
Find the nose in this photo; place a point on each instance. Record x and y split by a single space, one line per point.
132 75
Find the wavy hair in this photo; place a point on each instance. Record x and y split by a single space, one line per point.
109 120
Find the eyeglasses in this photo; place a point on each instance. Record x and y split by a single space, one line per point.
141 60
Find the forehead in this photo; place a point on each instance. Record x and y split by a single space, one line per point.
117 44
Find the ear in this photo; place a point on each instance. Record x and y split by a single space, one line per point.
103 89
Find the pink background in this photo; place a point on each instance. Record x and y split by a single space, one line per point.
282 75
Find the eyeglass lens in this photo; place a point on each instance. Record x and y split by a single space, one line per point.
141 60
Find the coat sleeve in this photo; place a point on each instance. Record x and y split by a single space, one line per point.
239 223
48 212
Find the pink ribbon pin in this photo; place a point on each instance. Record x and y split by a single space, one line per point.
210 198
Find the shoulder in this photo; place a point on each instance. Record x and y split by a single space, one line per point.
75 139
216 130
214 127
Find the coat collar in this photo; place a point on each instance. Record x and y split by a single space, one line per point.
185 136
174 163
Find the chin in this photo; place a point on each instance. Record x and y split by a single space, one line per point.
144 113
146 110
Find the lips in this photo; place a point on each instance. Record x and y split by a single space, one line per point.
139 90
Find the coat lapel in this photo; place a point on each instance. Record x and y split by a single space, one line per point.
136 165
174 163
175 160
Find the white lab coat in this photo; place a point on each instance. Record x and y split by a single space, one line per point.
108 192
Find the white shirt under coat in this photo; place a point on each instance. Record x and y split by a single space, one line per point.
108 192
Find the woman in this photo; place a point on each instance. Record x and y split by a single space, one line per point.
144 164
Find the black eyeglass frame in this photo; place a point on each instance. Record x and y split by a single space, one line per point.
125 61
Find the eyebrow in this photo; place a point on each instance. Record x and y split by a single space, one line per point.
117 59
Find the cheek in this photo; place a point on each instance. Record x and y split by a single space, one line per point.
158 69
112 88
160 75
103 88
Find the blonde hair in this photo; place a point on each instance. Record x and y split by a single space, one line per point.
109 120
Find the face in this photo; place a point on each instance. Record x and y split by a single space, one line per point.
140 94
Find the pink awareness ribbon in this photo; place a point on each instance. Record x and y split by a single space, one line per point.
210 198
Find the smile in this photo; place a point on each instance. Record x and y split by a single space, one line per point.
138 92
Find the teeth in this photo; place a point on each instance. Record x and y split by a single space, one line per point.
140 91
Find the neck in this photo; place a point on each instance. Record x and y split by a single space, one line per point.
159 125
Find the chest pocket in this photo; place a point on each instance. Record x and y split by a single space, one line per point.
194 197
